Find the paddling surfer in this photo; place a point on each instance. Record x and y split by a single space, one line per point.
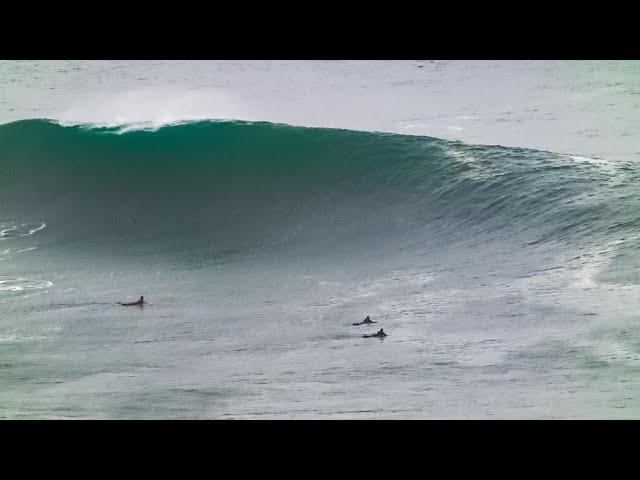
139 302
380 333
365 321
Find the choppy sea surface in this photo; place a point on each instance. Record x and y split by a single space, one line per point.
485 214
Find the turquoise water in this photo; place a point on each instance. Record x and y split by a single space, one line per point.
505 276
259 244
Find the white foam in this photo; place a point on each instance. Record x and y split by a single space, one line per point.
119 128
22 230
19 339
22 284
17 250
585 277
148 109
605 165
477 171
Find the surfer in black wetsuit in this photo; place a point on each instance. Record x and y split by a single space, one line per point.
380 333
139 302
365 321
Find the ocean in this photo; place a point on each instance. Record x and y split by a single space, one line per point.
484 214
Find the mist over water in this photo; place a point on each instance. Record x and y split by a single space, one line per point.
505 276
589 108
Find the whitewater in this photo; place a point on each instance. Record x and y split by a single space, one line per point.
483 213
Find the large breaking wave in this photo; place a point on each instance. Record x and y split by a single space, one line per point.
232 185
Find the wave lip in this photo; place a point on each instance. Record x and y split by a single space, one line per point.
127 126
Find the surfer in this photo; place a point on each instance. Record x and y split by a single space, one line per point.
380 333
139 302
365 321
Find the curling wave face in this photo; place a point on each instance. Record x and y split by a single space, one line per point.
231 185
493 269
